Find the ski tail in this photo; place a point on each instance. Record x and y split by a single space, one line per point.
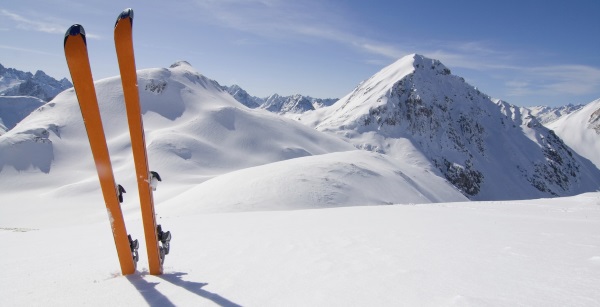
76 54
125 55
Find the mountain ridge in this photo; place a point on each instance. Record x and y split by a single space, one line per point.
14 82
413 110
195 133
292 105
461 130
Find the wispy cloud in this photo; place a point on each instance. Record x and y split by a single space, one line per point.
517 72
312 20
15 48
558 79
291 19
36 25
33 25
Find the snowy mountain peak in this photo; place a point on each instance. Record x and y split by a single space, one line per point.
373 93
181 63
416 107
407 65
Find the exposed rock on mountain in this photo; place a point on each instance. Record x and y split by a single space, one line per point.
488 150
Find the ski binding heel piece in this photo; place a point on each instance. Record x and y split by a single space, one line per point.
165 239
134 245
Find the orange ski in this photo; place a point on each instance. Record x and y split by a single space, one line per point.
153 233
77 59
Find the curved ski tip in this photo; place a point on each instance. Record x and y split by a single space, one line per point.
74 30
126 13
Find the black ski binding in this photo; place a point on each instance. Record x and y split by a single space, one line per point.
134 245
154 174
165 239
120 191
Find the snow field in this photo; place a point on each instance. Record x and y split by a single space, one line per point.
530 253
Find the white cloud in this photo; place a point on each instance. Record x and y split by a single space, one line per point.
558 79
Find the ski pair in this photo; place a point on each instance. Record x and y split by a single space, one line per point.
75 46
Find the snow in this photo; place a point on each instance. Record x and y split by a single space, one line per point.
350 178
266 211
14 108
521 253
581 131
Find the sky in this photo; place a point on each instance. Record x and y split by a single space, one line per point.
526 52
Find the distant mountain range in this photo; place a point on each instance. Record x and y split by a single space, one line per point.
546 114
275 103
415 116
22 92
14 82
298 104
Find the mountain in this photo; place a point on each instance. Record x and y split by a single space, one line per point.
195 133
547 114
289 104
294 104
14 108
581 130
18 83
243 97
415 108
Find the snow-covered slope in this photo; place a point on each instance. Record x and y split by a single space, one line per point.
193 128
14 108
523 253
416 107
14 82
581 131
351 178
194 131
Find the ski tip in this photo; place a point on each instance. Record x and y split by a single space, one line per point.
126 13
75 30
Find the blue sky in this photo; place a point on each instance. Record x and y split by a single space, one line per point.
523 51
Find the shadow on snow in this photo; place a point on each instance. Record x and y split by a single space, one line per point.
154 298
